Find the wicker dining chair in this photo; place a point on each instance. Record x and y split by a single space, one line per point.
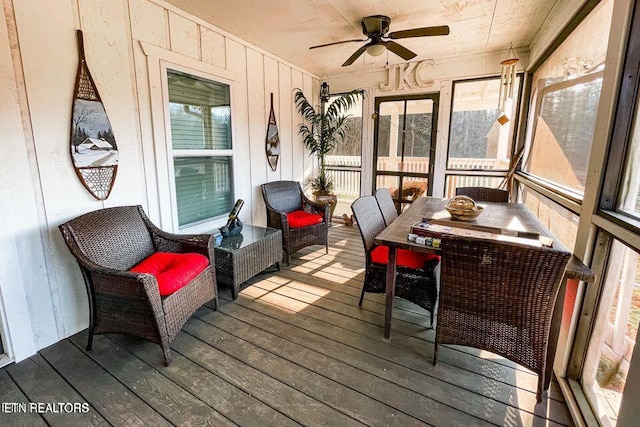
303 222
386 205
499 297
107 244
415 273
484 194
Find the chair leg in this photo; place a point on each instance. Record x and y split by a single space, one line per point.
90 340
435 354
278 265
167 355
361 297
432 318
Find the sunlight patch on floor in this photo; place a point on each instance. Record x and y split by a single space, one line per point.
268 291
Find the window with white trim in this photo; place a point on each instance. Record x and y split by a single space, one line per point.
201 147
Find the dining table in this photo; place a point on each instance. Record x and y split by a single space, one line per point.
512 218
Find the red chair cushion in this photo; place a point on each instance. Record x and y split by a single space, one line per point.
173 271
404 257
299 219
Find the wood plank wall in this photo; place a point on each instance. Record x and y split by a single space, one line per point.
39 60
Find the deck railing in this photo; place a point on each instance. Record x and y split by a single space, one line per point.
347 181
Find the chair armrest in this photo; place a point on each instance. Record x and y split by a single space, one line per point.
105 280
276 219
179 243
317 208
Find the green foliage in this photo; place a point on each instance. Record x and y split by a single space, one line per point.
323 130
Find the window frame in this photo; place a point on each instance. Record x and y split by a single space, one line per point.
628 106
209 224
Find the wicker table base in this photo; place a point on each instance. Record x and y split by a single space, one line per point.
241 257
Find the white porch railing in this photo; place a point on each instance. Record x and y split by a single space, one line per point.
347 182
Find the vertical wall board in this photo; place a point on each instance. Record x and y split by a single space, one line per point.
46 33
236 56
213 48
285 122
297 147
152 206
19 215
310 161
161 159
366 174
237 61
184 36
271 86
148 23
442 138
257 131
108 52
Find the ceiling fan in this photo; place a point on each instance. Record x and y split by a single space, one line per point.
376 28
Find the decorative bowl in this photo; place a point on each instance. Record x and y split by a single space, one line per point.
463 208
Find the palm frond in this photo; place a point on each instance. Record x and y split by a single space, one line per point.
322 131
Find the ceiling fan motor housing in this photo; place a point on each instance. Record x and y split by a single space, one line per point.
376 25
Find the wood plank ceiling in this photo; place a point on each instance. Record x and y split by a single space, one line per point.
287 28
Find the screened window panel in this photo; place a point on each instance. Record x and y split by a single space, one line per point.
204 188
417 131
477 140
566 89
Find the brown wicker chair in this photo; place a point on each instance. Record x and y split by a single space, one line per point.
387 207
418 285
107 243
499 297
285 197
484 194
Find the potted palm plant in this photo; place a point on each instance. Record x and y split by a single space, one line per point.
321 131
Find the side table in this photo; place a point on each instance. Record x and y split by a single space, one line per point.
241 257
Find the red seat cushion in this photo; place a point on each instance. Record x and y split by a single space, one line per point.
173 271
299 219
404 257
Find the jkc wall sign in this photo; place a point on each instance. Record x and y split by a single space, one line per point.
407 76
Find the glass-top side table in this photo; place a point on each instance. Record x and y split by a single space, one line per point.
241 257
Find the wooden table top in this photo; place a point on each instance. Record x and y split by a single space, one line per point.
499 215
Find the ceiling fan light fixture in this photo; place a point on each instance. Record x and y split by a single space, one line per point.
376 49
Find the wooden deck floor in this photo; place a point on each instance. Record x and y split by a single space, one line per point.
293 349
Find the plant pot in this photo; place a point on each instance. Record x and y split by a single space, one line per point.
327 199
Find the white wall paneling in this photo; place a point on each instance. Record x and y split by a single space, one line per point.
271 86
286 124
47 297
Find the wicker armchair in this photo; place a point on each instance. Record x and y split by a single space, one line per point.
387 207
499 297
415 273
484 194
284 198
107 243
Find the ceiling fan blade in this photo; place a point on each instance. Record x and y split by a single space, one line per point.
356 54
344 41
399 50
420 32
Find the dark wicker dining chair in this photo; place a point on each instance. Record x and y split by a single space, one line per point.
484 194
499 297
387 207
415 275
303 222
109 243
